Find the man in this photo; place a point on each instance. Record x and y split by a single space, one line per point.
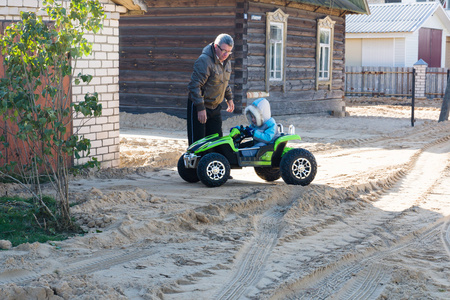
208 88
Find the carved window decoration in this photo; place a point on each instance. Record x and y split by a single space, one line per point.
324 53
276 31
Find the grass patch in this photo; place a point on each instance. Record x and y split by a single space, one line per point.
21 222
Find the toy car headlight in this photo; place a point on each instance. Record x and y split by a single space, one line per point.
190 160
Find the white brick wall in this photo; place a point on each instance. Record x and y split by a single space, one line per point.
103 64
420 83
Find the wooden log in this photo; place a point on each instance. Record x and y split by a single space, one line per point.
302 24
300 62
301 52
300 73
189 11
256 38
256 86
159 53
301 41
185 21
302 32
256 61
160 65
132 75
300 85
167 42
256 49
156 88
208 33
182 3
152 100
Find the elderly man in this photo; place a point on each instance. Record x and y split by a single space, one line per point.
208 88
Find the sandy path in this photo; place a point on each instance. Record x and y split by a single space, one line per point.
374 224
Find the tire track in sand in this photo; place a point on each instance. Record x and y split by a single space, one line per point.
348 278
446 237
86 266
370 281
358 277
251 263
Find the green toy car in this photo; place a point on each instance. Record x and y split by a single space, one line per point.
210 159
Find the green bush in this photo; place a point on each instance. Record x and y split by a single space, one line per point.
21 222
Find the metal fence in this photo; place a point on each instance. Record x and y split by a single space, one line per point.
392 82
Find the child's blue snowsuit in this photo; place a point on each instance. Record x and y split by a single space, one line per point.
265 128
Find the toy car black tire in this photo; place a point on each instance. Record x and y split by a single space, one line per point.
213 169
298 166
188 174
268 174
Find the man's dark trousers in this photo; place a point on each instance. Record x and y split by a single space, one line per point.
197 130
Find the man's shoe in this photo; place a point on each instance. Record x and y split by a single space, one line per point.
230 177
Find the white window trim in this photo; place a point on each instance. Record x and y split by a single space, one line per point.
326 23
276 17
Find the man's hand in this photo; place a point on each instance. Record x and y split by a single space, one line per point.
230 107
202 116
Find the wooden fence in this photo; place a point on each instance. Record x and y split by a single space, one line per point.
436 82
392 82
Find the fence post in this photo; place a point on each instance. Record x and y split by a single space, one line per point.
419 80
421 69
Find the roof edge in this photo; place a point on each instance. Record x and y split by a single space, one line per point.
133 5
350 6
359 24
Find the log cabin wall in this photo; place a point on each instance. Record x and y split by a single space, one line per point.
158 50
300 95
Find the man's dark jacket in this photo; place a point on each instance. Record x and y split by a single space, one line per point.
209 80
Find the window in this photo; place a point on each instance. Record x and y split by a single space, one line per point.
324 52
276 24
276 51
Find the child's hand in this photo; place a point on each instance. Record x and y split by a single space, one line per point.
249 131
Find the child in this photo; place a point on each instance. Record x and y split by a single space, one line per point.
262 127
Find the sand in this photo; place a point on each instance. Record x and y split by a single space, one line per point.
374 224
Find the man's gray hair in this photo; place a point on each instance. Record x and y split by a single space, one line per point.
224 38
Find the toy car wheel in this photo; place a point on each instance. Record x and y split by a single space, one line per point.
268 174
298 166
188 174
213 169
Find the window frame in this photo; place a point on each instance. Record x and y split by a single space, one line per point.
273 56
277 18
324 64
325 24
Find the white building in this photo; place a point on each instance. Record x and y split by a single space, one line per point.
398 35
